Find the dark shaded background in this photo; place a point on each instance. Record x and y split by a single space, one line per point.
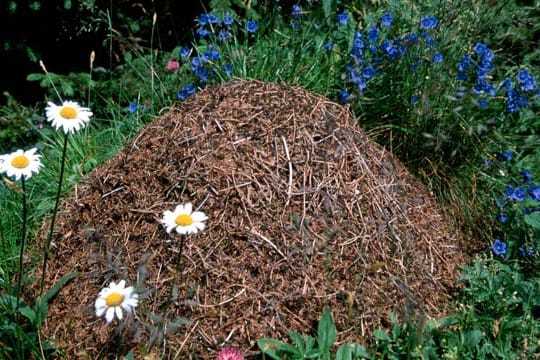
64 38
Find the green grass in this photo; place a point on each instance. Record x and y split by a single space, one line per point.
444 139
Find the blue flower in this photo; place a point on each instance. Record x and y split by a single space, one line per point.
527 177
527 82
181 94
358 44
373 34
211 55
515 100
251 26
461 75
465 62
224 35
185 51
203 19
328 46
499 247
502 217
507 155
227 20
483 103
526 252
190 89
517 194
534 192
342 18
386 19
201 32
344 96
414 99
368 72
429 22
483 87
507 84
437 57
358 41
207 19
479 48
201 72
133 107
186 91
389 49
428 39
297 11
227 69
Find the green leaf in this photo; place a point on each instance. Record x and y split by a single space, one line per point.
381 335
57 287
350 351
326 332
533 220
28 313
35 77
328 7
270 347
298 340
344 352
472 338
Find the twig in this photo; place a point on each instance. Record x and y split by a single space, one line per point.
289 185
268 242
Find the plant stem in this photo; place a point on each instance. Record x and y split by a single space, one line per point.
23 241
182 237
53 220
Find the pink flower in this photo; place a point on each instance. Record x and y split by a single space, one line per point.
230 354
173 65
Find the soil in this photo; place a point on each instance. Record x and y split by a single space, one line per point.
304 210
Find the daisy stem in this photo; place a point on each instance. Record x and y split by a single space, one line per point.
182 237
53 219
23 241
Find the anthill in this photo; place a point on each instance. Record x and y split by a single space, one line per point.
303 210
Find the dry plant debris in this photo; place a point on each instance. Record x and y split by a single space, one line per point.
304 209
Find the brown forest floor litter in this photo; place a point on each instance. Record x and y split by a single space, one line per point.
303 209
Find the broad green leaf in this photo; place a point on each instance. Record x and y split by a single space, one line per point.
270 347
328 7
326 333
533 220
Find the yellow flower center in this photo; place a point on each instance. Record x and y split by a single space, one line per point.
68 112
20 162
114 299
183 220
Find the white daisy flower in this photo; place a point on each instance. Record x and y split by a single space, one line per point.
113 299
69 116
20 163
184 220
